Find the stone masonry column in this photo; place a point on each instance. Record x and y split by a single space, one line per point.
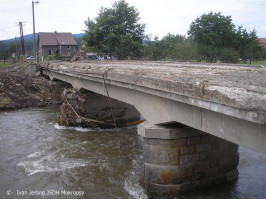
182 159
56 89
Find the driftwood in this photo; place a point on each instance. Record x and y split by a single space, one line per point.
77 110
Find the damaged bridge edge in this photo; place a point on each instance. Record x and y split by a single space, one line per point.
256 117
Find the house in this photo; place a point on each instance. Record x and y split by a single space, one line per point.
263 41
55 43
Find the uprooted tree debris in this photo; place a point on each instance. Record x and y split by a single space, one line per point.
80 55
87 109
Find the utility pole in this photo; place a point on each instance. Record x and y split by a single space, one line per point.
34 42
22 39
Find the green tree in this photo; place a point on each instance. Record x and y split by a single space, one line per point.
156 51
173 47
152 49
218 39
185 51
263 52
212 32
116 31
13 48
247 44
4 54
168 45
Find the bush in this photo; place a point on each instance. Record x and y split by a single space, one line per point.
228 55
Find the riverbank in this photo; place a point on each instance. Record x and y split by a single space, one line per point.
20 90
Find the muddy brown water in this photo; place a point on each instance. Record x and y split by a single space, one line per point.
39 159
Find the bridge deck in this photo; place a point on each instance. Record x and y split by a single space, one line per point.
237 86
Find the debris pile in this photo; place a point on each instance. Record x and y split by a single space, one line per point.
87 109
80 55
20 91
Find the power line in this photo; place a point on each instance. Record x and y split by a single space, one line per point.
5 31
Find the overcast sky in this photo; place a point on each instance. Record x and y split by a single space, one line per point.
160 16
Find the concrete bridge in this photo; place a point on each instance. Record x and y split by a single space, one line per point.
197 115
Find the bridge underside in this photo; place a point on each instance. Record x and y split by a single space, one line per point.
160 108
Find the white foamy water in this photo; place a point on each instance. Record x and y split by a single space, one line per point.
35 154
39 162
132 186
33 167
80 129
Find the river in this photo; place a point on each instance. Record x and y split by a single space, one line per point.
39 159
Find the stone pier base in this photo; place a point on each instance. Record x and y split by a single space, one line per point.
56 89
183 159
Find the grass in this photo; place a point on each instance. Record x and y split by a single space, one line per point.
263 62
7 64
14 66
5 103
19 66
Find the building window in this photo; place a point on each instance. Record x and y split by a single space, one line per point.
49 52
57 52
68 46
68 53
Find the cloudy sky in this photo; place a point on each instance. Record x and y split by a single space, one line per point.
160 16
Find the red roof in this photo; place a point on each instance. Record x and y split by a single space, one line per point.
90 53
55 38
263 40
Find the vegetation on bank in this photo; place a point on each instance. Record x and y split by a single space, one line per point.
6 64
262 62
14 66
212 37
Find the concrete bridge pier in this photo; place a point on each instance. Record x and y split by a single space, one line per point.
180 159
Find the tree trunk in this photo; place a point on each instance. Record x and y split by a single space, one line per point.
111 55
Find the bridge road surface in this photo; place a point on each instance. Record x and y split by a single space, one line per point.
225 100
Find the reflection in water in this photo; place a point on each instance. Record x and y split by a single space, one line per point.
36 154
